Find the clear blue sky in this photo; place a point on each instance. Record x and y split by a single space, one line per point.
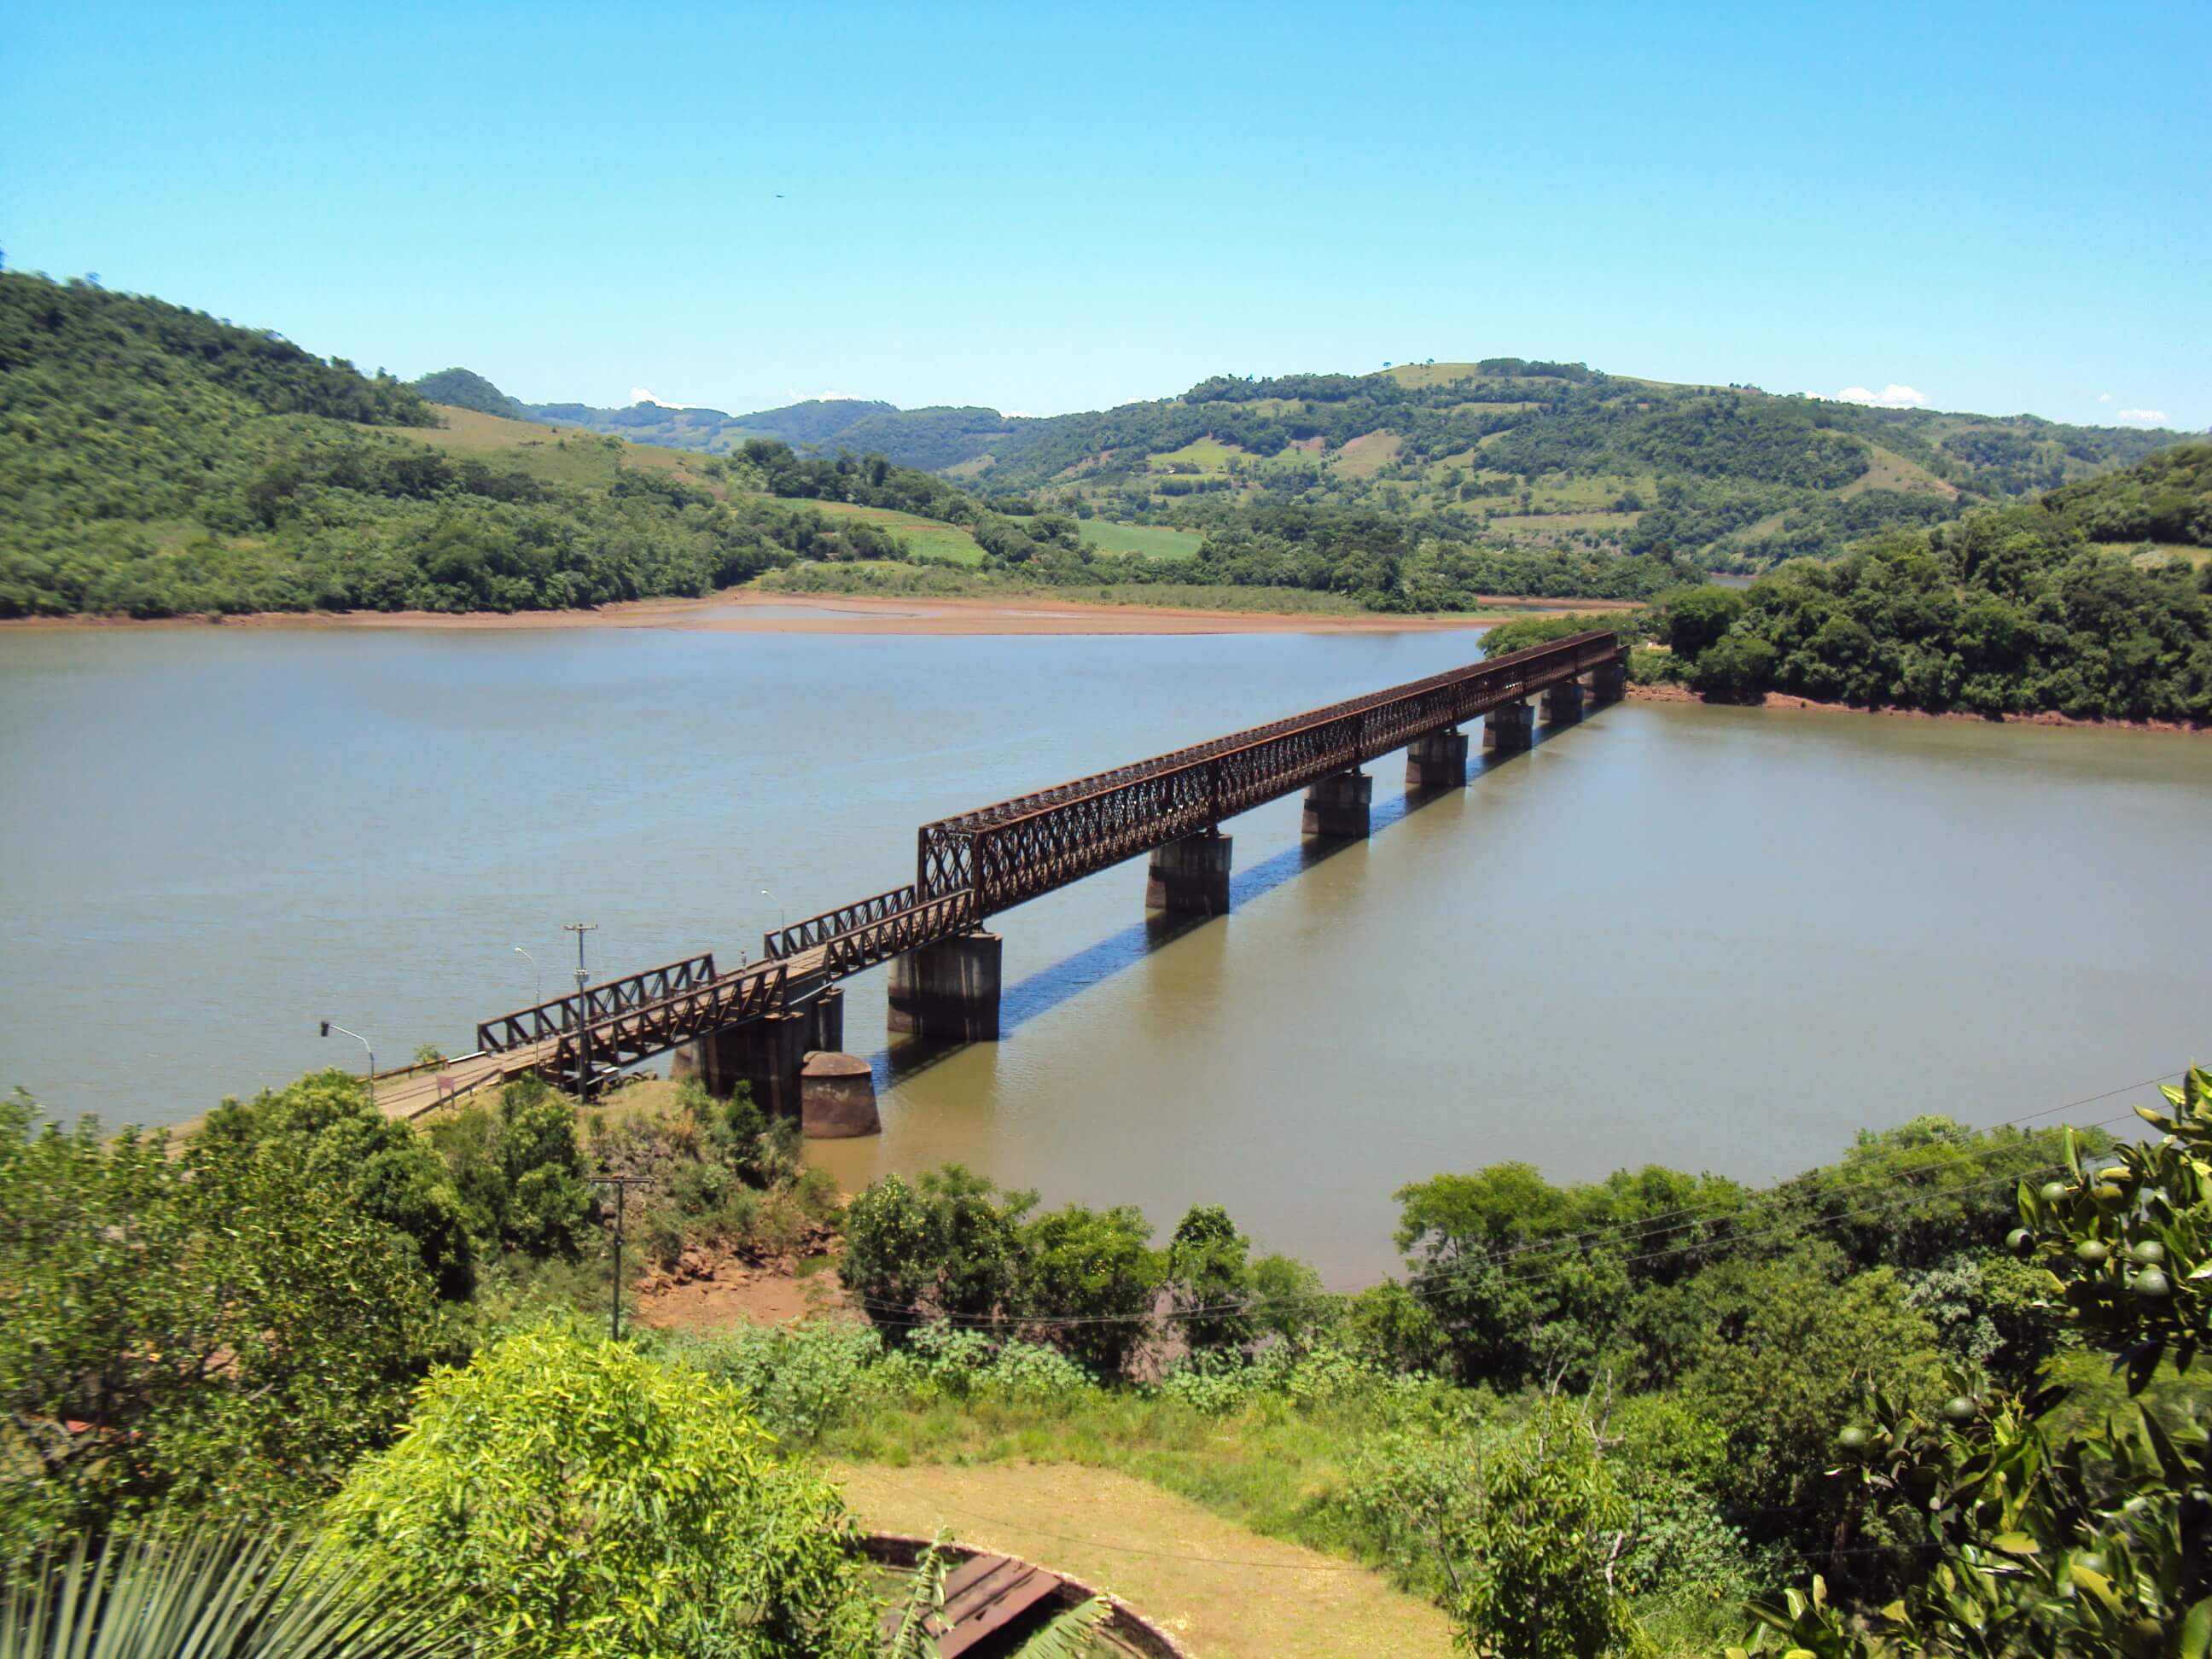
1043 208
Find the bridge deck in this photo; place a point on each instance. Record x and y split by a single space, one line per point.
977 863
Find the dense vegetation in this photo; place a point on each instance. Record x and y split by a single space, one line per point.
1505 453
461 388
159 462
162 462
1591 1419
2009 611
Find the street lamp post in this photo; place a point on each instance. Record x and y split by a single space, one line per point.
773 899
537 972
328 1027
583 1009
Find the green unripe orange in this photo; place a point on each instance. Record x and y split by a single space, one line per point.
2150 1252
2151 1285
2019 1241
1959 1408
2090 1253
2055 1192
1853 1439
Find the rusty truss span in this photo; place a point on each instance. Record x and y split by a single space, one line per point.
756 1022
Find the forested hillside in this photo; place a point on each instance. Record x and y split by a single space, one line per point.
157 461
1505 452
2012 609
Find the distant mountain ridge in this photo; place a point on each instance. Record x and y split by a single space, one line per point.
1505 450
815 423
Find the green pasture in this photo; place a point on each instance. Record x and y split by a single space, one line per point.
927 538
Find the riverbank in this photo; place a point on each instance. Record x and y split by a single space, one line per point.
1645 692
760 612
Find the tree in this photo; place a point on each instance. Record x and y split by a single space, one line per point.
1090 1278
1699 618
219 1326
948 1248
1209 1278
2094 1539
517 1170
1525 1527
327 1125
1511 1302
567 1498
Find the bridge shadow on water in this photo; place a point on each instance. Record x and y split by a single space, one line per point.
1068 978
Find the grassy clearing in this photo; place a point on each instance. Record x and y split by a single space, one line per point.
563 455
2150 555
1887 470
1368 454
1540 523
1220 1590
1205 454
1153 541
1427 374
928 539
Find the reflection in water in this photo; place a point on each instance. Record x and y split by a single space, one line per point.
1717 939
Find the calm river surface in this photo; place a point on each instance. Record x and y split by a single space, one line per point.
1717 939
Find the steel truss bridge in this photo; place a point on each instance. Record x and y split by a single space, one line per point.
974 864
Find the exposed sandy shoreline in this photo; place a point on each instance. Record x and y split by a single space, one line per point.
1777 699
749 613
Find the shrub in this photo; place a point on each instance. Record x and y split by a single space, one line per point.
569 1498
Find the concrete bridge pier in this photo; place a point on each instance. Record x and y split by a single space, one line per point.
1510 726
1608 681
1336 806
948 992
837 1097
1562 702
828 1032
1437 761
765 1054
1190 877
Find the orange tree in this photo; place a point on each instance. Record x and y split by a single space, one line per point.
2092 1542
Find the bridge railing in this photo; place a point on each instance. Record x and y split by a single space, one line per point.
526 1026
637 1033
903 931
1016 849
818 931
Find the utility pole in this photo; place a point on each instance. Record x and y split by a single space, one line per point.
583 1009
622 1184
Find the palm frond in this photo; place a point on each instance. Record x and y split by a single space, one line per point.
212 1593
1068 1637
925 1601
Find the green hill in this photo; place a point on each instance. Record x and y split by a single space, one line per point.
157 461
1504 452
461 388
2052 606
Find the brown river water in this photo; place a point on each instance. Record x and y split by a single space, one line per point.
1717 938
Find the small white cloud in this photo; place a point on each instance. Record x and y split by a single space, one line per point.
1891 396
2104 397
638 394
832 397
2147 416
